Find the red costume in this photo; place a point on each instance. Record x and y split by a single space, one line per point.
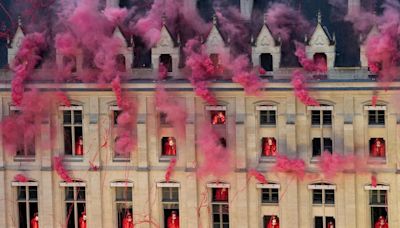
35 221
330 225
79 146
381 223
221 194
273 223
127 222
173 220
82 220
269 147
219 118
378 148
170 147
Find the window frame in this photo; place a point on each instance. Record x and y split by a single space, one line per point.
75 201
324 188
270 196
26 155
27 199
123 204
220 208
171 204
269 109
377 205
376 112
319 113
72 125
322 145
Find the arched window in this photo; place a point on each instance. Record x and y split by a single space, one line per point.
120 63
166 60
266 61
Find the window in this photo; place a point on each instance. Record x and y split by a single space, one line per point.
377 147
73 135
123 200
170 201
168 146
220 208
324 196
27 199
121 63
320 60
218 117
321 117
376 117
266 61
25 148
271 221
270 195
267 117
222 142
321 222
268 147
163 118
378 205
166 60
321 144
69 62
115 114
75 206
215 60
142 54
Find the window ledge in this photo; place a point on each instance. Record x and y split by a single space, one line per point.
376 125
69 158
164 158
321 126
315 159
24 158
121 159
267 159
267 125
376 160
269 204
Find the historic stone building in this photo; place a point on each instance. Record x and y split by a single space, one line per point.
106 186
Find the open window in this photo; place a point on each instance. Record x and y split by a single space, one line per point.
72 130
170 203
218 117
377 147
320 60
266 61
268 147
25 148
168 146
220 207
124 203
27 200
75 204
142 54
271 221
120 63
320 145
166 61
215 60
378 205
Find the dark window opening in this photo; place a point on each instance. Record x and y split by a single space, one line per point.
69 62
123 201
222 142
171 216
218 117
266 61
166 61
220 194
163 118
126 4
120 63
320 60
270 195
376 117
321 144
116 114
170 201
268 146
379 217
142 54
27 206
268 117
168 146
215 60
377 147
321 222
75 207
73 135
321 117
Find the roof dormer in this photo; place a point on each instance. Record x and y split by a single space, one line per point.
363 48
15 42
124 58
166 52
265 45
215 42
321 43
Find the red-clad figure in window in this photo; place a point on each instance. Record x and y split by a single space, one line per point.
273 222
127 222
173 220
218 118
79 146
378 148
170 147
35 221
221 194
381 223
269 147
82 220
330 225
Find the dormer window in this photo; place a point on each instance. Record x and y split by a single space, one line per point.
70 62
215 60
142 54
120 63
266 61
320 60
166 61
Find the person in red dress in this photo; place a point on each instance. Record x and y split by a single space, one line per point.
378 148
381 223
170 147
79 146
221 194
35 221
82 220
330 225
269 147
273 222
127 222
219 118
173 220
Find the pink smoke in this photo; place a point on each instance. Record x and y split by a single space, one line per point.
309 65
216 159
202 69
24 64
294 166
62 97
176 113
20 178
162 72
374 181
170 169
331 164
61 171
300 90
259 176
115 15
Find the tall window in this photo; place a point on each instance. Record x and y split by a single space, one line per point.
115 113
266 61
166 60
73 132
323 195
121 63
321 117
27 198
170 201
267 117
321 144
271 221
378 205
270 195
25 148
376 117
220 208
75 206
123 200
324 221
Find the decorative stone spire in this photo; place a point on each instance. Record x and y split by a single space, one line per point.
164 19
265 18
319 17
214 19
19 21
